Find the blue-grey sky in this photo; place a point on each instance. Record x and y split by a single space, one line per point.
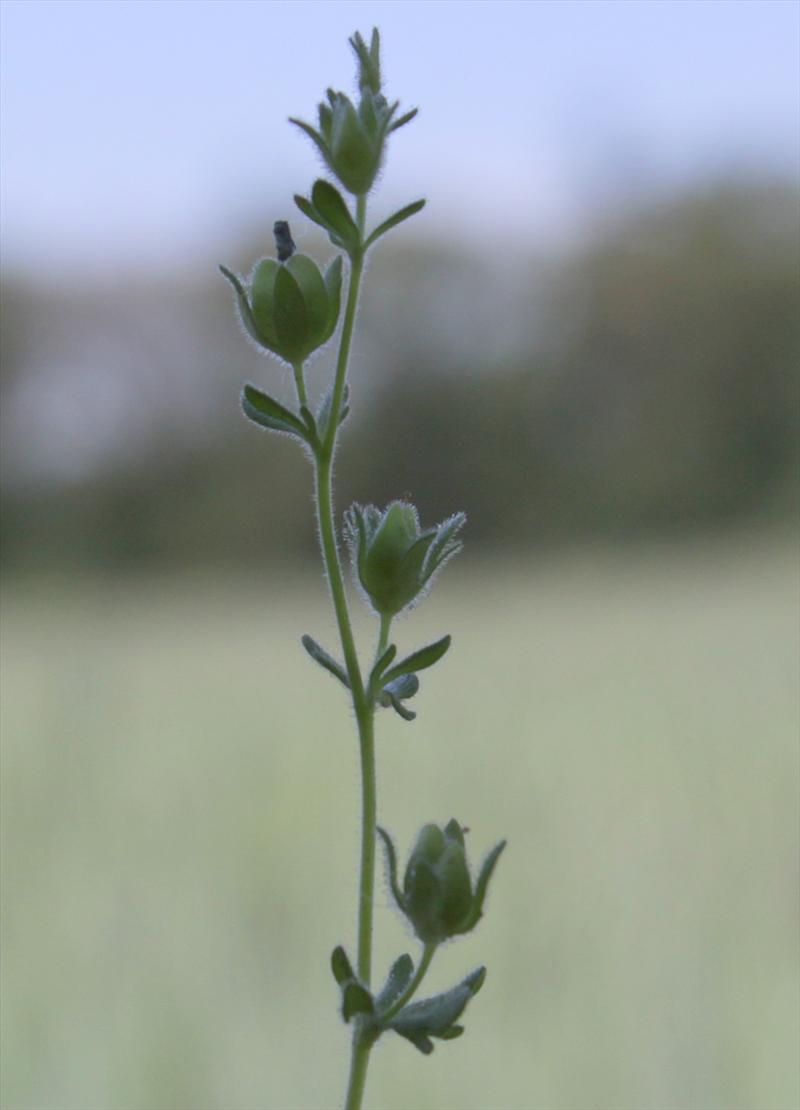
137 129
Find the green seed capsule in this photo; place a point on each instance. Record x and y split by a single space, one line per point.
438 896
290 309
395 561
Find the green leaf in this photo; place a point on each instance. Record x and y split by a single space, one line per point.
324 411
310 423
403 120
393 221
381 663
399 977
319 655
340 965
269 413
391 866
308 209
356 999
330 205
419 660
481 886
437 1016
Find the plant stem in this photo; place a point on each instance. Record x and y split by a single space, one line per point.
427 955
383 638
363 1041
359 1062
363 707
300 383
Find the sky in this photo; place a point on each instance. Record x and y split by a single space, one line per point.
138 133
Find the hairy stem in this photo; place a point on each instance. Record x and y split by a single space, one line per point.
358 1070
300 383
364 710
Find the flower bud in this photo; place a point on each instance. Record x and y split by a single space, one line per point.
351 139
437 895
289 308
393 560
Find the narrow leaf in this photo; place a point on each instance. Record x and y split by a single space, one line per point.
319 655
437 1016
393 221
308 209
330 205
381 663
356 999
324 411
269 413
419 660
407 118
399 977
310 422
340 965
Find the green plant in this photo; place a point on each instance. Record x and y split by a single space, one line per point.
290 309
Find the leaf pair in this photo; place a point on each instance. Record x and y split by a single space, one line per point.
437 1016
392 685
275 417
430 1017
356 998
327 208
417 1022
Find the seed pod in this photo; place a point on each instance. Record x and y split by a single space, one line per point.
437 895
395 561
290 309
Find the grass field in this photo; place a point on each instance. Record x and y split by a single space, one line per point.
180 836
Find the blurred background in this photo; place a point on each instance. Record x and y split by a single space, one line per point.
589 341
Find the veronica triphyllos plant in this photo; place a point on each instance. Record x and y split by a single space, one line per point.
291 307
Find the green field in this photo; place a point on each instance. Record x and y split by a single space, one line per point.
180 835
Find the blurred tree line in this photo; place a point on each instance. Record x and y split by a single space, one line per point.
645 382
